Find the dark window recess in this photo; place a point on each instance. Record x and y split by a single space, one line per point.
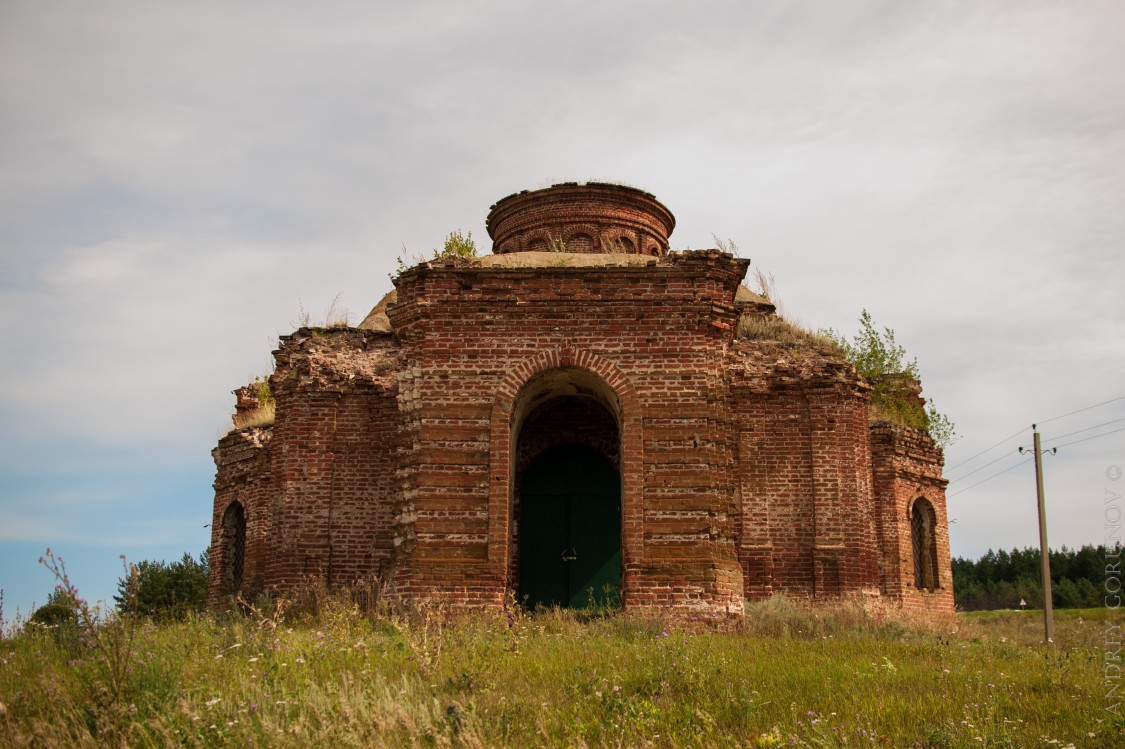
924 545
234 547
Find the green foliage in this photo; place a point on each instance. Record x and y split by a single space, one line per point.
53 614
261 387
60 596
875 354
457 245
939 426
107 642
60 615
882 361
1000 579
167 590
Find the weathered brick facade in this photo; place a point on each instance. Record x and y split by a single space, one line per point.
745 467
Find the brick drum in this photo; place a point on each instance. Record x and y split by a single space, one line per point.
748 466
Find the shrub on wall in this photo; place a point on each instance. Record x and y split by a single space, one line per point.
895 396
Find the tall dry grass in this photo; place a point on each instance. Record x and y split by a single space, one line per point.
330 673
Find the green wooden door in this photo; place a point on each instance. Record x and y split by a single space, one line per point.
570 530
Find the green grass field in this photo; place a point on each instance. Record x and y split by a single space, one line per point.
786 676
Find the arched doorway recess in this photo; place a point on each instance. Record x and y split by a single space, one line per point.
566 548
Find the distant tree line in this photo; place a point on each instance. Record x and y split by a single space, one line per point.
166 590
1001 579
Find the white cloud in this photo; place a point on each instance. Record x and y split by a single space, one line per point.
176 179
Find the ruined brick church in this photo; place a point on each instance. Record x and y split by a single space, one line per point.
583 416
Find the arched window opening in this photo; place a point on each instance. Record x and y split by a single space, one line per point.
234 547
924 543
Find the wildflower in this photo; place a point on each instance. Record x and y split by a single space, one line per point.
254 708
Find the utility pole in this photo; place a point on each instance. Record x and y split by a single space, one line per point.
1045 559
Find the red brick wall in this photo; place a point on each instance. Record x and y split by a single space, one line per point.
907 465
747 467
473 339
806 510
587 218
242 461
332 467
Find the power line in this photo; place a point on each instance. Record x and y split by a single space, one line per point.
990 449
1021 431
975 470
1087 439
1079 431
967 488
1025 460
1087 408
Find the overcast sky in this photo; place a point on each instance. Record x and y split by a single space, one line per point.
179 181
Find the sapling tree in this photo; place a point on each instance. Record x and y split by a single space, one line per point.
457 245
882 361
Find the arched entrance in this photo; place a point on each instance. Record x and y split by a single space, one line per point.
566 481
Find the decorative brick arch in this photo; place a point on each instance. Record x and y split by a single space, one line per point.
506 403
620 240
543 239
922 520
